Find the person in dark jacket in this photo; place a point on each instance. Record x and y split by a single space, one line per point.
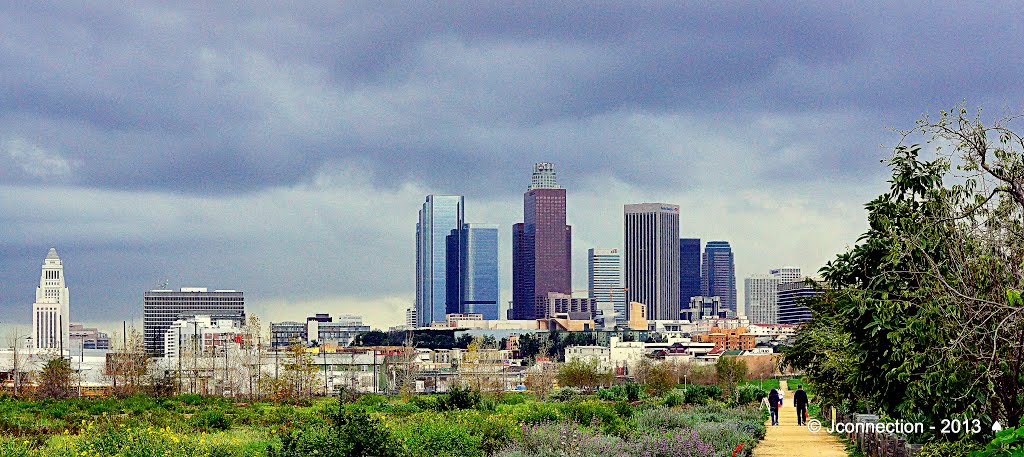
774 402
800 401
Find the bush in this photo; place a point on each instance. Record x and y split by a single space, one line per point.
564 394
698 395
458 398
437 437
614 393
211 420
1008 442
674 398
634 392
948 448
751 394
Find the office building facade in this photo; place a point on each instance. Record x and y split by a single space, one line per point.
718 275
652 258
541 246
439 215
51 312
478 259
791 298
760 298
689 270
161 308
786 274
604 281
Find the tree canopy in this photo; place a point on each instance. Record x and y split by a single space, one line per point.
923 319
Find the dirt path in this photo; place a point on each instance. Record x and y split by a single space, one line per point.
791 440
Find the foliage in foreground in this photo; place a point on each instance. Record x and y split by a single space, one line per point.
889 337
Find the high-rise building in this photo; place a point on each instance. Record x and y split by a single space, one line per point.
791 300
786 274
410 317
604 278
163 307
51 312
718 275
760 298
689 270
541 246
476 253
652 258
439 216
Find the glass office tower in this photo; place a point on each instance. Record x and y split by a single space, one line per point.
439 216
718 275
689 270
479 264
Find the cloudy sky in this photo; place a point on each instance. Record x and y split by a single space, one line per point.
284 150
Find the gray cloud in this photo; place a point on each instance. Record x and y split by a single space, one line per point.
258 146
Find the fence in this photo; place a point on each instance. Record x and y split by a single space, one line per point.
871 442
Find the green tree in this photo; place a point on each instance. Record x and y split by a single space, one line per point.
55 379
923 320
586 374
730 371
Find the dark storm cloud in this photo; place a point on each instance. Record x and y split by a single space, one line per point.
234 98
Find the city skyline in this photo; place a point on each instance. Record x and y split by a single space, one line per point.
292 167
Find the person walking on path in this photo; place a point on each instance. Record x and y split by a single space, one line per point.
800 401
774 402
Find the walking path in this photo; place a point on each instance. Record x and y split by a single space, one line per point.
791 440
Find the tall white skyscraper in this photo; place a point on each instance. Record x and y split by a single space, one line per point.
51 316
761 298
652 258
604 272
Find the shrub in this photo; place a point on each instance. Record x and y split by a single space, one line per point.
751 394
460 398
697 394
614 393
948 448
633 391
211 420
433 436
674 398
1008 442
564 394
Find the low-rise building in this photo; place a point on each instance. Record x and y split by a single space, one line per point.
729 339
88 338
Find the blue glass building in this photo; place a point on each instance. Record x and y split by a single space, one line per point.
718 275
439 215
478 255
689 270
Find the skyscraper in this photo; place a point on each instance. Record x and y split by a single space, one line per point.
51 312
541 246
476 284
161 308
689 270
760 298
439 216
652 258
718 275
604 277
